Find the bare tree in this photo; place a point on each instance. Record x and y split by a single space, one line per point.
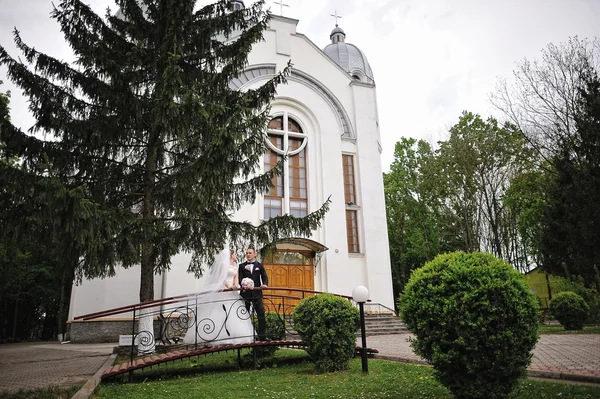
543 97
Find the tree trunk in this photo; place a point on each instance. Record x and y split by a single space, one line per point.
467 229
15 315
66 280
493 216
548 285
61 305
147 274
147 265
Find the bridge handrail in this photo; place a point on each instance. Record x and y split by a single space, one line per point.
178 298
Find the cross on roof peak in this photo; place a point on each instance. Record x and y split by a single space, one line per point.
281 4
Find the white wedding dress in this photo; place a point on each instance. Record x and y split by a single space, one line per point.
222 318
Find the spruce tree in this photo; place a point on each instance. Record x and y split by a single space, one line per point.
33 260
570 236
145 127
4 109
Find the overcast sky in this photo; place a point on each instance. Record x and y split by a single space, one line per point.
432 59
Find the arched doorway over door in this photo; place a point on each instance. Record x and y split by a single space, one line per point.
290 263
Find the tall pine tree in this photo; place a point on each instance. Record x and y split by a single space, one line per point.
146 126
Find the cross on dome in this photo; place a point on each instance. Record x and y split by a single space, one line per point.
336 17
348 56
337 34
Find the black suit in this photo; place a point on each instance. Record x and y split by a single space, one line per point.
254 297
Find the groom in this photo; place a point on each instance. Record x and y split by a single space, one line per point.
256 271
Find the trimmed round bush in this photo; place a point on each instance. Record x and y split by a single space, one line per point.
328 324
569 309
576 284
474 320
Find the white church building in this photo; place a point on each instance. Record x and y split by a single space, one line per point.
326 118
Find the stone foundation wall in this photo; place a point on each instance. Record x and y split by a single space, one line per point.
98 331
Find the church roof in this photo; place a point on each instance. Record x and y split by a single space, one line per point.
335 30
348 56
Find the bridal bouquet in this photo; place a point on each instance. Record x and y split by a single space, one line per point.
247 283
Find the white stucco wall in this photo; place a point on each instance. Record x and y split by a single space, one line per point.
102 294
375 236
339 271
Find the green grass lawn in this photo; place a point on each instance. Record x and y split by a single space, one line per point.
558 329
291 376
43 393
214 362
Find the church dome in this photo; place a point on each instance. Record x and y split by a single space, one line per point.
348 56
335 30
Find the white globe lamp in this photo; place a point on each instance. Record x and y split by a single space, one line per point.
360 294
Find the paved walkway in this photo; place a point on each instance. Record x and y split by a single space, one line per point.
568 356
29 366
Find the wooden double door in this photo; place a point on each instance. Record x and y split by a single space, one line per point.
293 269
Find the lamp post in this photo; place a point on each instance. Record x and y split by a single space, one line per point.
360 294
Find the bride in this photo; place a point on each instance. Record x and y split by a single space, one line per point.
221 317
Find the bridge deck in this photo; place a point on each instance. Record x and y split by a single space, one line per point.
155 359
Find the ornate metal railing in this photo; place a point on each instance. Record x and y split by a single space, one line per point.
197 320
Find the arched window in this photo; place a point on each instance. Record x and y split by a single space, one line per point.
289 193
357 75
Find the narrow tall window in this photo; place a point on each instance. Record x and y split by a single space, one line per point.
349 190
297 173
274 197
351 204
352 231
290 191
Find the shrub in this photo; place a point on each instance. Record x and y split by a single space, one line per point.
569 309
328 324
474 319
575 284
275 331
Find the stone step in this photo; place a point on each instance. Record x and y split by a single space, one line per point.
374 325
388 322
380 331
383 320
379 326
373 333
386 331
384 323
369 333
372 328
380 320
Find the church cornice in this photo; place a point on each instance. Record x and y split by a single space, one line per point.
284 19
363 84
325 56
251 73
347 127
